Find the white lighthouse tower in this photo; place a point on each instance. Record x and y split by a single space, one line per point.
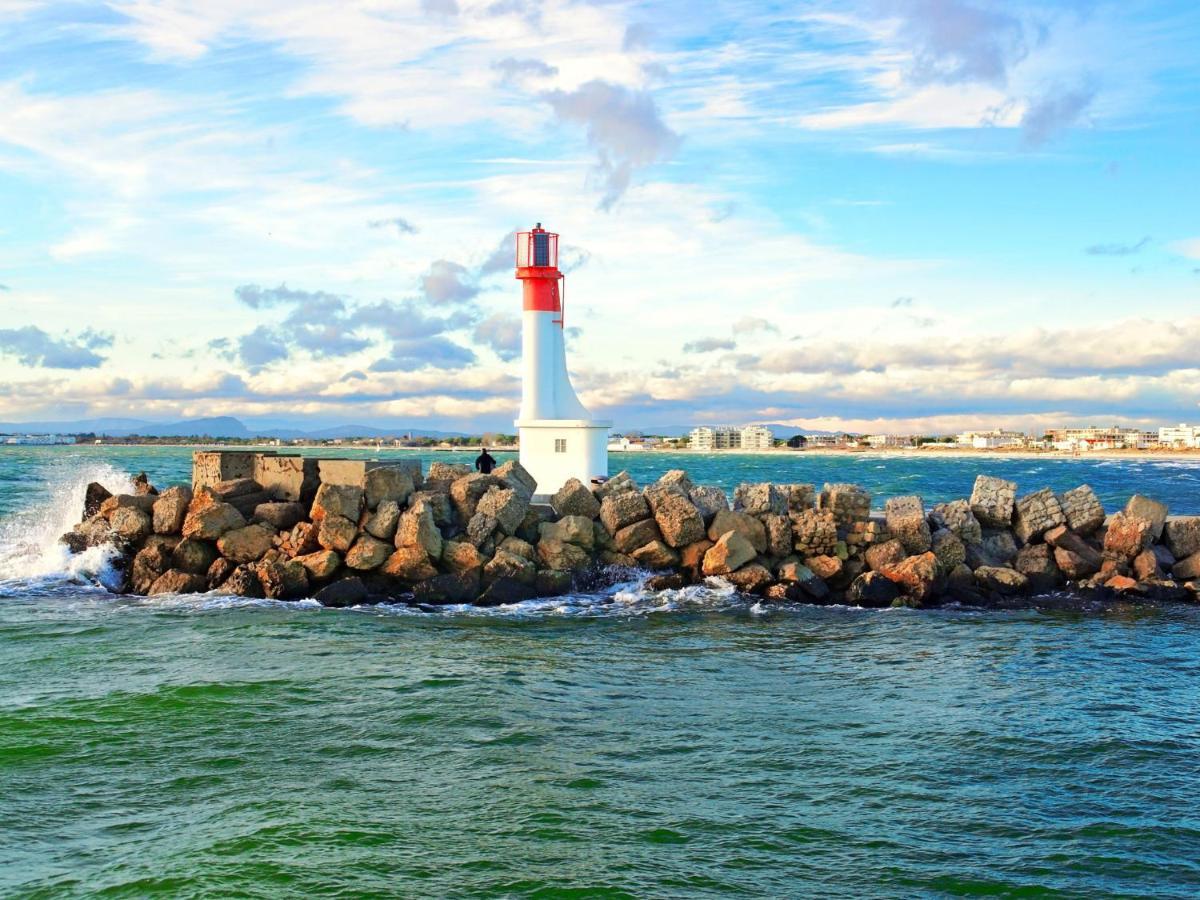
559 438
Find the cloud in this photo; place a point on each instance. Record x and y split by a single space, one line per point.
955 41
318 322
1189 248
623 127
707 345
513 70
637 35
502 258
440 7
260 298
901 302
448 283
34 347
5 288
502 333
1053 112
407 319
397 224
751 324
435 352
1116 249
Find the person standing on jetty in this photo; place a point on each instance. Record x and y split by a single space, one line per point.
485 462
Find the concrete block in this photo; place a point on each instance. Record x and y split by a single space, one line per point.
213 466
287 477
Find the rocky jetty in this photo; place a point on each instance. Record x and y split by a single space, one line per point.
346 532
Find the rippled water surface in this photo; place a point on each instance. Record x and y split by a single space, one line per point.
619 744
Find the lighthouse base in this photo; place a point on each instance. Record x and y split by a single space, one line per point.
554 451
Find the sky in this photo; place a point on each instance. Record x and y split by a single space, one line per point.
883 216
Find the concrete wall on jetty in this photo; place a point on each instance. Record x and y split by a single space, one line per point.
357 531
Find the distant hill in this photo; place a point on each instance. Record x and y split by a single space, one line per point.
212 427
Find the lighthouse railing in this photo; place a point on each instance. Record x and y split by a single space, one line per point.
537 248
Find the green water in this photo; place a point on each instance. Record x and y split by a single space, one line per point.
627 743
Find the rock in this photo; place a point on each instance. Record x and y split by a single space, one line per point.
193 556
481 528
343 500
621 483
288 477
750 579
336 533
656 555
760 499
243 582
511 566
552 582
1122 584
280 515
1187 569
574 499
387 483
460 556
93 499
452 587
320 564
210 519
409 564
1145 566
506 591
708 501
1036 563
142 485
992 501
218 573
555 553
1151 510
466 492
224 491
301 539
382 523
506 505
915 575
144 502
246 545
906 523
730 552
949 549
824 567
622 509
847 503
783 592
636 535
149 563
439 505
516 477
691 557
174 581
368 553
667 581
283 579
957 518
779 534
1082 509
872 590
1127 536
575 530
1076 565
131 524
998 548
814 532
1165 558
676 480
747 526
1001 579
417 529
342 593
678 521
1182 536
442 474
170 509
886 554
94 532
1035 514
519 547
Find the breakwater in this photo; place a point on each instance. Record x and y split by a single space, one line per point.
347 532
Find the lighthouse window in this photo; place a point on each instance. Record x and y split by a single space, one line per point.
560 445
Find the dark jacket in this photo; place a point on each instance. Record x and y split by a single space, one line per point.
484 462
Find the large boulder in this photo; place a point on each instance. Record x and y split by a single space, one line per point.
906 522
516 477
622 509
730 552
746 525
382 523
760 499
174 581
208 519
336 533
150 562
246 545
554 553
992 501
94 497
826 568
343 500
574 499
384 483
519 547
242 582
1187 569
439 505
656 555
368 553
800 497
847 503
575 530
873 590
503 591
1151 510
481 529
144 502
887 553
466 492
344 592
193 556
506 564
1182 536
636 535
957 518
1035 514
916 576
443 474
1083 510
506 505
321 564
949 549
281 515
417 529
751 579
998 548
170 509
676 480
814 532
679 521
1127 535
218 573
1001 580
1036 562
411 564
451 587
282 579
301 539
708 500
461 556
131 524
779 534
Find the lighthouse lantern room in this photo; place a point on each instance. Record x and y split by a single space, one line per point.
559 438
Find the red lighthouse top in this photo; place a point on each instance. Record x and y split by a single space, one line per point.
537 268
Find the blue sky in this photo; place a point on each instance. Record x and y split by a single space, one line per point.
924 215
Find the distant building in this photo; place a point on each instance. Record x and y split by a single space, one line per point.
1180 436
991 440
881 441
826 440
731 437
39 439
625 444
1095 438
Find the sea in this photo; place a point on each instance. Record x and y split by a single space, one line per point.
621 743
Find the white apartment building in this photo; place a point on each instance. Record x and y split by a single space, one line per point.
879 441
1094 438
990 440
1180 436
731 437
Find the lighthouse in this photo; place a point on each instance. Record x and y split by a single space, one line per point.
559 438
